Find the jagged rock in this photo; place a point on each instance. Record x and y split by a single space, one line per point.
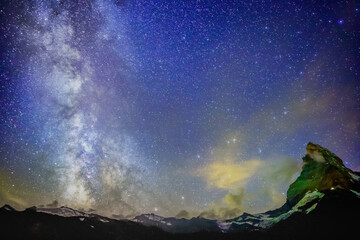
322 170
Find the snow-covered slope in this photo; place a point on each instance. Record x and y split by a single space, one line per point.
244 222
61 211
69 212
152 218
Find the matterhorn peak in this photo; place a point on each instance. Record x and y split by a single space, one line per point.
322 171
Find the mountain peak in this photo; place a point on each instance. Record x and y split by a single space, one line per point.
7 207
322 171
322 155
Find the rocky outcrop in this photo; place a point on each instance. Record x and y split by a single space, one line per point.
322 171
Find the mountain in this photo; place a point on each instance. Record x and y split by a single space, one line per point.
176 225
69 212
244 222
323 202
34 223
61 211
322 171
325 190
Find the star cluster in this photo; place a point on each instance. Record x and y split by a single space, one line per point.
190 107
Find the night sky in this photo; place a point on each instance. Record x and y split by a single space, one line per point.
180 108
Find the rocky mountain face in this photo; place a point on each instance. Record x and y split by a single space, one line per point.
322 171
324 180
323 202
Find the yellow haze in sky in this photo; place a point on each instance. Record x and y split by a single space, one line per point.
227 175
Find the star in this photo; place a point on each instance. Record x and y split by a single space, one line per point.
123 107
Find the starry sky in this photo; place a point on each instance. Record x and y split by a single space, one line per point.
180 108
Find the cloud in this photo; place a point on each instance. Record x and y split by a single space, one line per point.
217 212
229 207
15 192
225 171
12 199
270 184
222 210
234 200
54 204
229 175
253 185
183 214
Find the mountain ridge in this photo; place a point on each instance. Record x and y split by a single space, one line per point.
326 193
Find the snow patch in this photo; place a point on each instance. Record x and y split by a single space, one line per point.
224 226
310 209
357 193
7 208
62 211
355 176
309 196
154 218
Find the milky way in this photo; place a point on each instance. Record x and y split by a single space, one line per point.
202 108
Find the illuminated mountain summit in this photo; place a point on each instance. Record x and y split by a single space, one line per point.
322 170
